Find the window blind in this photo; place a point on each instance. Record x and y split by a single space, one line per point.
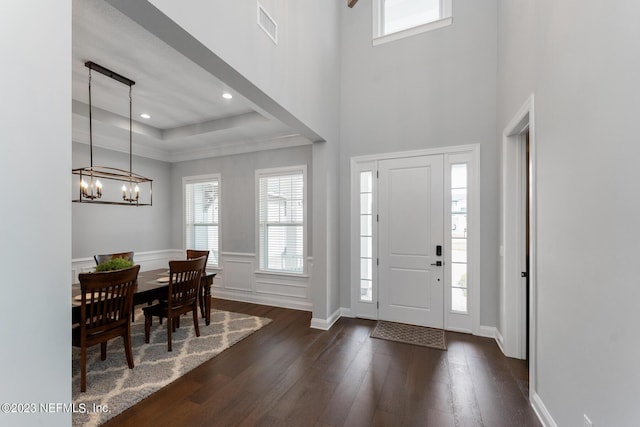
281 222
202 217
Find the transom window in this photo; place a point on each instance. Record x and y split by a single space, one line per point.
281 219
394 19
202 214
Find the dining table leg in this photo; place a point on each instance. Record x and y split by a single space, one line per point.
207 300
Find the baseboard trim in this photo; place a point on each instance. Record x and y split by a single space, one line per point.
346 312
499 340
541 411
486 331
325 324
459 330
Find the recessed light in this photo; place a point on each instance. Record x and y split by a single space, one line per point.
145 116
227 95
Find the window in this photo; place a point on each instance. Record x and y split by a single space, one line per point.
395 19
366 236
459 237
202 214
281 219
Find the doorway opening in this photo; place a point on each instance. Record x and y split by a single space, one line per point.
527 239
516 332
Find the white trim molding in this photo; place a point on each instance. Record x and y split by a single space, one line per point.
326 324
346 312
499 339
512 323
486 331
541 411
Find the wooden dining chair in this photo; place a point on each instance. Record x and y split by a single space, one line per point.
191 254
106 305
182 297
106 257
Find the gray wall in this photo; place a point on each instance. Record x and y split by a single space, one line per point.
431 90
238 193
301 74
581 60
35 217
99 229
295 73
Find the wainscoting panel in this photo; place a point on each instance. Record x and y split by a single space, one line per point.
236 279
238 272
281 288
239 280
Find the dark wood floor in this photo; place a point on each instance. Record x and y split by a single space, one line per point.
287 374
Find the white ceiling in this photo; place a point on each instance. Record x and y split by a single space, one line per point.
189 117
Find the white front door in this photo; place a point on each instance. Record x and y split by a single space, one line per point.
410 283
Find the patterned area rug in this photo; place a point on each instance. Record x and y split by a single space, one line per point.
112 386
410 334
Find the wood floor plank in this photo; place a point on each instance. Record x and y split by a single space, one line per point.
287 374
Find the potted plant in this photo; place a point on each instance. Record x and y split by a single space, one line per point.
114 264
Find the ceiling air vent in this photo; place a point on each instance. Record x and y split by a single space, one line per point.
267 23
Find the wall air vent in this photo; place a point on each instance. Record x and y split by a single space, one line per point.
267 23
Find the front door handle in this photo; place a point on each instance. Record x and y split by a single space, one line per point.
437 264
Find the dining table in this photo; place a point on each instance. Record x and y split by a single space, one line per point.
152 285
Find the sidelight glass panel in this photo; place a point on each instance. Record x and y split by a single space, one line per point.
459 275
366 236
459 250
365 268
459 225
366 249
365 203
459 299
366 223
459 243
459 175
366 182
366 290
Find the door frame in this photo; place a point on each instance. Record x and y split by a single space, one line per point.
369 310
511 332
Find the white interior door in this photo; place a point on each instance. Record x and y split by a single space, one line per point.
410 205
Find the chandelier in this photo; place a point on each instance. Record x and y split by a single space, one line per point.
90 187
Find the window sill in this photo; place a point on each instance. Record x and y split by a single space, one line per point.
279 273
444 22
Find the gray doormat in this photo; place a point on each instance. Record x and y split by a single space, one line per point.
410 334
